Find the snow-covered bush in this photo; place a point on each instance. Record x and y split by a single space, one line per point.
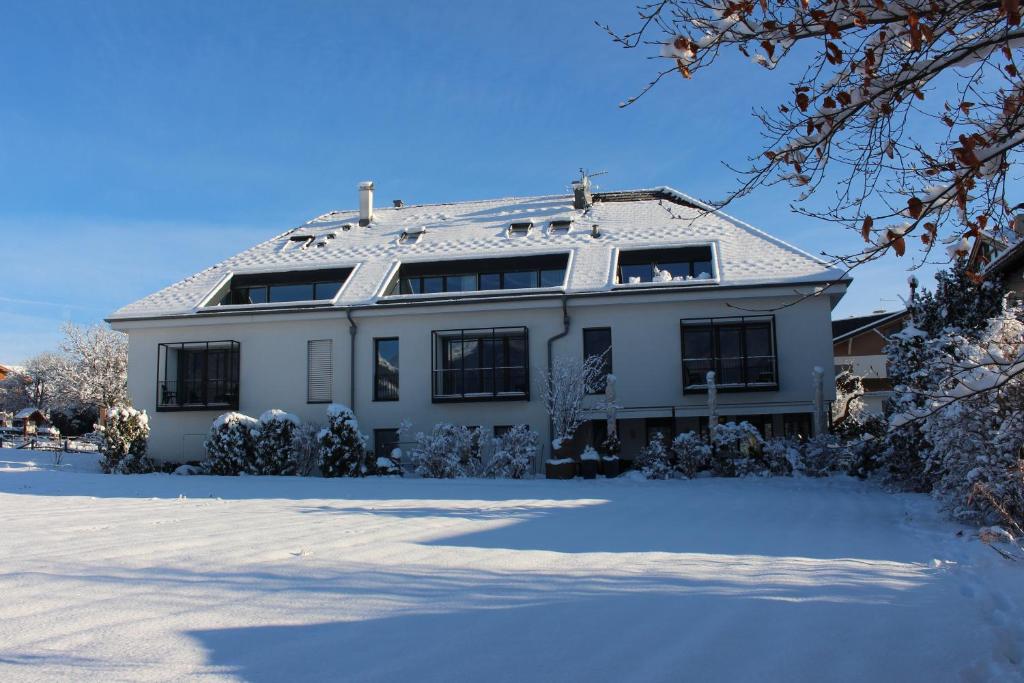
229 446
513 453
272 443
824 454
781 456
342 445
690 454
737 451
306 449
124 432
449 451
654 460
389 465
611 446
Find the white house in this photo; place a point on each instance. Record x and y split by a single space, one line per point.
446 312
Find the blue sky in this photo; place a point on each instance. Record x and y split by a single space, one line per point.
143 141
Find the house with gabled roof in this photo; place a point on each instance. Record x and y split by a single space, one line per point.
445 313
859 346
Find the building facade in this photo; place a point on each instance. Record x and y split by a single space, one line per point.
859 346
449 313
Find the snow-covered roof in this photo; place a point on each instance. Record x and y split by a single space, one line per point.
25 413
658 217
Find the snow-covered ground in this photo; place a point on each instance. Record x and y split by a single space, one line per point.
161 577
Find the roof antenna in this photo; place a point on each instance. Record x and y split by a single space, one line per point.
582 197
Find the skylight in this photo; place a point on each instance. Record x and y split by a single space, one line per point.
412 234
520 228
560 226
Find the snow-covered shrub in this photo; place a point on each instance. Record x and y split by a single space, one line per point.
513 453
389 465
781 456
306 449
848 413
564 388
866 448
824 454
125 432
449 451
737 451
690 454
611 446
654 460
342 445
272 443
229 447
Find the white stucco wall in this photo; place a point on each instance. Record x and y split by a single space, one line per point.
646 359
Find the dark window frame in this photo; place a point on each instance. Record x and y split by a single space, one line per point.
378 394
170 393
411 277
637 258
716 358
479 333
607 355
378 442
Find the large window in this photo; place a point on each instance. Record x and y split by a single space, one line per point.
281 288
597 341
477 275
741 351
385 369
652 265
197 376
482 364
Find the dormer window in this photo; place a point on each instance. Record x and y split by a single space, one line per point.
674 264
478 275
283 288
560 226
298 242
520 228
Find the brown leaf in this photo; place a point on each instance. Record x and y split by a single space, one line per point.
899 246
1012 9
768 47
965 107
915 206
802 101
865 229
844 98
683 69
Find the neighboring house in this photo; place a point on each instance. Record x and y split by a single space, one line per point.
858 345
445 312
991 257
30 420
6 371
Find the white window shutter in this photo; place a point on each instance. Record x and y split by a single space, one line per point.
319 370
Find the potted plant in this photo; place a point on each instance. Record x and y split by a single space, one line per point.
610 466
562 465
589 463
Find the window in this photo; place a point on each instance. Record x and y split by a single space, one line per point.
597 341
483 364
673 264
741 352
477 275
520 229
319 371
412 235
197 376
385 369
797 425
384 441
264 288
560 226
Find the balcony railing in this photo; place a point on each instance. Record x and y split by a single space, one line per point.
197 376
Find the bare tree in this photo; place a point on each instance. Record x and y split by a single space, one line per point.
40 384
97 361
564 387
871 74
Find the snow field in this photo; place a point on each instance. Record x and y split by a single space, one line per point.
158 577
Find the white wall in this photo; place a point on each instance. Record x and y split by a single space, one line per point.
646 359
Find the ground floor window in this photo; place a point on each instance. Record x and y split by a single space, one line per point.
197 375
797 425
384 441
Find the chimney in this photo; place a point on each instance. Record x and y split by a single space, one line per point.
365 202
581 196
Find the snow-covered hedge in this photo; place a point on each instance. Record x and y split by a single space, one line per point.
513 453
229 446
690 454
654 460
124 433
737 451
342 445
306 449
781 456
272 443
449 451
